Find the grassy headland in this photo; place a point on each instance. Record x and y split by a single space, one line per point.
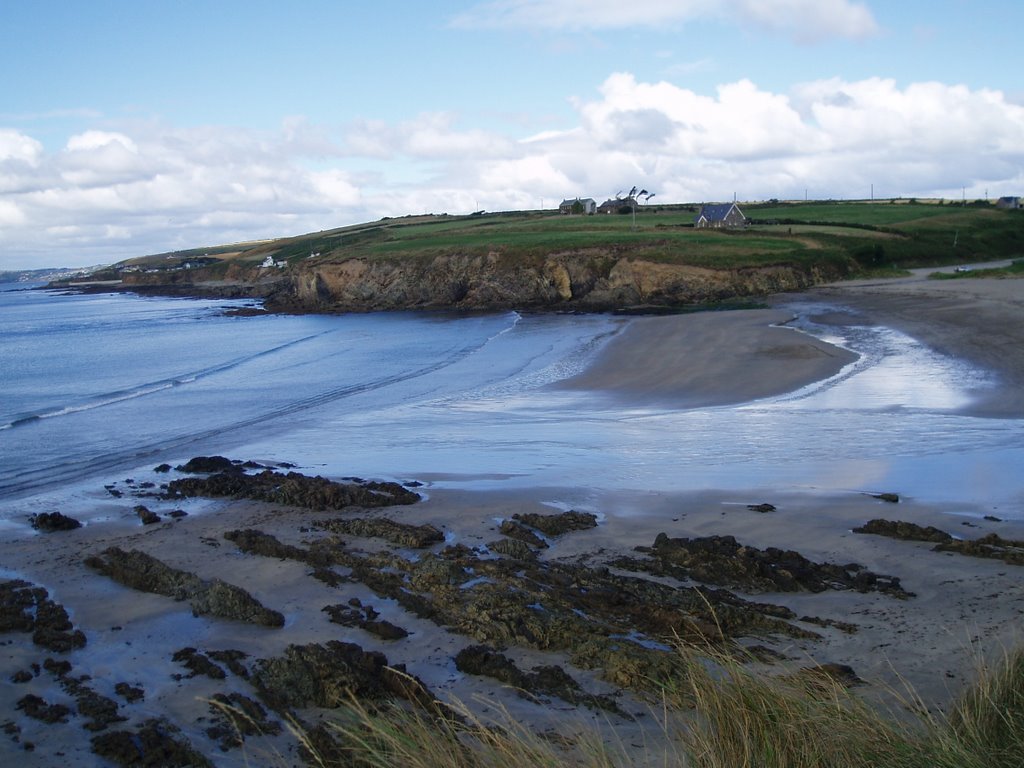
653 257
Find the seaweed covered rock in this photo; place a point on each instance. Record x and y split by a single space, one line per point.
259 543
402 534
355 614
146 515
991 546
293 489
330 675
49 522
516 530
38 709
25 607
898 529
557 524
514 548
550 680
723 561
207 465
153 743
146 573
236 716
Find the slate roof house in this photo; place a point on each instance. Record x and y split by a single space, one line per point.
587 205
1012 203
616 205
719 215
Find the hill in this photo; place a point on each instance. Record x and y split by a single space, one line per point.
650 258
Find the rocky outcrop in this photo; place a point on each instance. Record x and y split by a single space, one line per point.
48 522
332 674
550 680
293 488
723 561
144 572
556 525
898 529
402 534
592 280
25 607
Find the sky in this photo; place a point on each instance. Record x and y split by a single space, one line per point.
131 127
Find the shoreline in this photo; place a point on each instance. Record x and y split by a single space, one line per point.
962 609
708 359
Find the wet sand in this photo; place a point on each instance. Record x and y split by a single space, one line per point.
709 358
964 608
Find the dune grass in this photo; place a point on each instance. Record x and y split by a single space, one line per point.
722 715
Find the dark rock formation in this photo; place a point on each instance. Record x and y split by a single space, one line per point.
892 498
293 489
208 464
514 548
622 625
402 534
330 675
147 516
48 522
153 743
237 716
27 608
259 543
129 693
37 708
556 525
991 546
355 614
543 681
897 529
515 530
144 572
198 664
724 561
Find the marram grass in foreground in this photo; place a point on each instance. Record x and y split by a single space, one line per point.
718 714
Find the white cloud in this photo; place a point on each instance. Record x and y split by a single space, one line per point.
804 20
148 187
19 147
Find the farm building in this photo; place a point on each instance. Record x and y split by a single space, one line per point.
616 205
587 205
720 215
1012 203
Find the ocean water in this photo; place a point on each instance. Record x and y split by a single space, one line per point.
99 388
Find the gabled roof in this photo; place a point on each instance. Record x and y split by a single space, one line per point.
716 211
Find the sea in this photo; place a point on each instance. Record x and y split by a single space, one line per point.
99 389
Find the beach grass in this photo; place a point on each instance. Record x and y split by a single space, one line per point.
720 714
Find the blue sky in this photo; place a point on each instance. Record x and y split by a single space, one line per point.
133 127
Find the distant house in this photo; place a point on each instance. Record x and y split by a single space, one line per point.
586 206
719 216
616 205
1012 203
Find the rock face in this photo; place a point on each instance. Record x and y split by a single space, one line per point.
214 598
593 279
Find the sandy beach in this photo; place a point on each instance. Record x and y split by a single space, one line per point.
927 629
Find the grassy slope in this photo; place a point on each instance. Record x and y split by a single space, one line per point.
861 235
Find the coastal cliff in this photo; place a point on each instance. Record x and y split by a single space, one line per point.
570 281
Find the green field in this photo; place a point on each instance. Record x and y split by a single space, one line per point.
858 237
